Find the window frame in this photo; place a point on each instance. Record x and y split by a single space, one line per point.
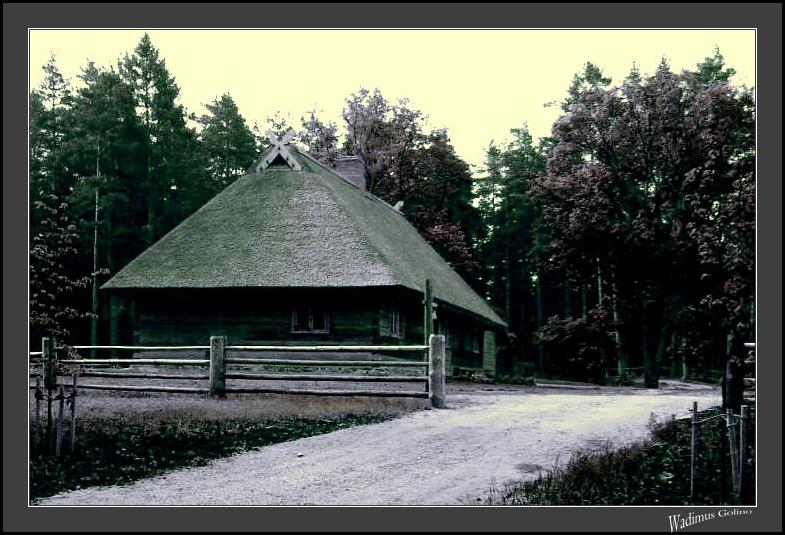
310 329
476 343
395 321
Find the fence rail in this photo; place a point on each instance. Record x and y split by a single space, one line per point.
154 362
340 348
340 363
364 393
320 377
132 388
139 348
127 375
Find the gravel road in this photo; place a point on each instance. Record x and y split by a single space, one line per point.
453 456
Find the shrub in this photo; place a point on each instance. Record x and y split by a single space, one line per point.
652 473
576 348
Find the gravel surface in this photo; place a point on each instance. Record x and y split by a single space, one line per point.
487 437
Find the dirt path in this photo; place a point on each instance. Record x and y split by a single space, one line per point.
450 456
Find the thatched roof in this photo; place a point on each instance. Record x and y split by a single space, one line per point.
285 228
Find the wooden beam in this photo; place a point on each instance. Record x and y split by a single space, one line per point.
344 363
313 377
437 367
364 393
280 147
145 348
218 366
153 362
329 348
124 375
129 388
428 311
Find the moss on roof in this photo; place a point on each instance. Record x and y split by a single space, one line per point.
284 228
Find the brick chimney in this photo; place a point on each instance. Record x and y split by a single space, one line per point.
352 168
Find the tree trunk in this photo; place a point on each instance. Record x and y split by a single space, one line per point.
599 283
94 319
538 289
651 362
674 353
567 299
662 347
622 360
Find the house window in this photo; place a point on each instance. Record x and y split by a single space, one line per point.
395 321
310 319
445 330
475 337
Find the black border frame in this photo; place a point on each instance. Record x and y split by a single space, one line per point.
17 18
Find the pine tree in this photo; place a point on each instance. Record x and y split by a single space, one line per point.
175 181
228 143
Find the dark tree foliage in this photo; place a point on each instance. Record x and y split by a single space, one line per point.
228 143
106 150
320 139
512 248
404 163
382 134
49 124
653 181
579 348
53 290
122 136
175 182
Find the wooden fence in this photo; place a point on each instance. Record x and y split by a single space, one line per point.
221 366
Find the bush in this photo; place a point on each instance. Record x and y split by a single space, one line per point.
653 473
576 348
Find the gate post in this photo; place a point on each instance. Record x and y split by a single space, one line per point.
49 361
693 447
730 420
428 310
743 423
50 383
436 377
218 366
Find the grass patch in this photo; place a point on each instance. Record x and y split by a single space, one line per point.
120 450
653 473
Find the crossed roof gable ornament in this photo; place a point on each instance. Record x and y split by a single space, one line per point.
280 147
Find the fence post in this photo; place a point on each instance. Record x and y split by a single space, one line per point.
428 311
60 416
218 366
743 423
734 454
73 413
37 419
50 382
49 362
694 448
436 365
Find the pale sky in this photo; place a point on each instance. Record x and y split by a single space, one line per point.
477 83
